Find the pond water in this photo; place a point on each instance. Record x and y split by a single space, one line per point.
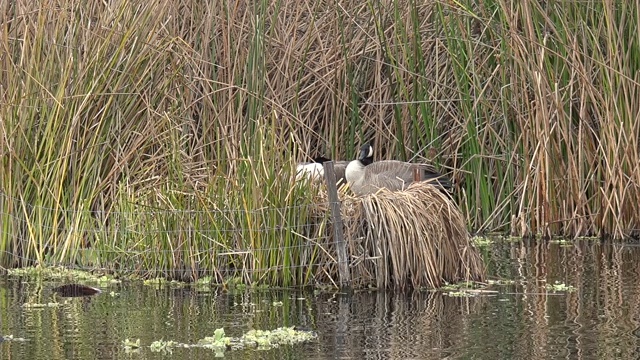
594 314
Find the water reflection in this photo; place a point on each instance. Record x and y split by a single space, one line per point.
599 319
400 326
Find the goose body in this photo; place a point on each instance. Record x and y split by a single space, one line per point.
389 174
314 170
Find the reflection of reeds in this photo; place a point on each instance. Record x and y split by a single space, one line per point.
397 325
603 305
415 237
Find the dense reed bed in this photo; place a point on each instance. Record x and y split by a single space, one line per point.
161 135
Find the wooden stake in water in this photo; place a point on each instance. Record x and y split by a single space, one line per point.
336 217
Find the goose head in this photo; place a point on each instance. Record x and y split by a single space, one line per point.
355 170
320 159
366 154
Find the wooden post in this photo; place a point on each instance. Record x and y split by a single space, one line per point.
334 203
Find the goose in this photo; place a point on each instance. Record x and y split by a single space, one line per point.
390 174
314 170
311 170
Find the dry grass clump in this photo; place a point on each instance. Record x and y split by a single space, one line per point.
415 237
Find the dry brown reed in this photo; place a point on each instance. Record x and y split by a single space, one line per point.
413 238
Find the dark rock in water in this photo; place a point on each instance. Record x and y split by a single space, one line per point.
76 290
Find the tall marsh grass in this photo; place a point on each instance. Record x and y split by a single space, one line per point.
133 126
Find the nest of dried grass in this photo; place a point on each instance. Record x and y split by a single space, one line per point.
413 238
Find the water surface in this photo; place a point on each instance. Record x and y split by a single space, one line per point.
597 318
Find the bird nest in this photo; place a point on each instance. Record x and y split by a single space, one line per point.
412 238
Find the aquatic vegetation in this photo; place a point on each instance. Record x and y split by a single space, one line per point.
487 240
482 240
460 294
41 306
277 337
262 339
10 337
163 346
130 345
219 342
62 273
588 238
204 282
501 282
464 289
461 285
164 282
558 286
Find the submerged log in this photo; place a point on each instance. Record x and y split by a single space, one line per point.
76 290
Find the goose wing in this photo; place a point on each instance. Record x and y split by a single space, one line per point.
397 175
430 174
391 174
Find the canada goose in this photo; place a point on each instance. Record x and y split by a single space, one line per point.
315 170
311 170
390 174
